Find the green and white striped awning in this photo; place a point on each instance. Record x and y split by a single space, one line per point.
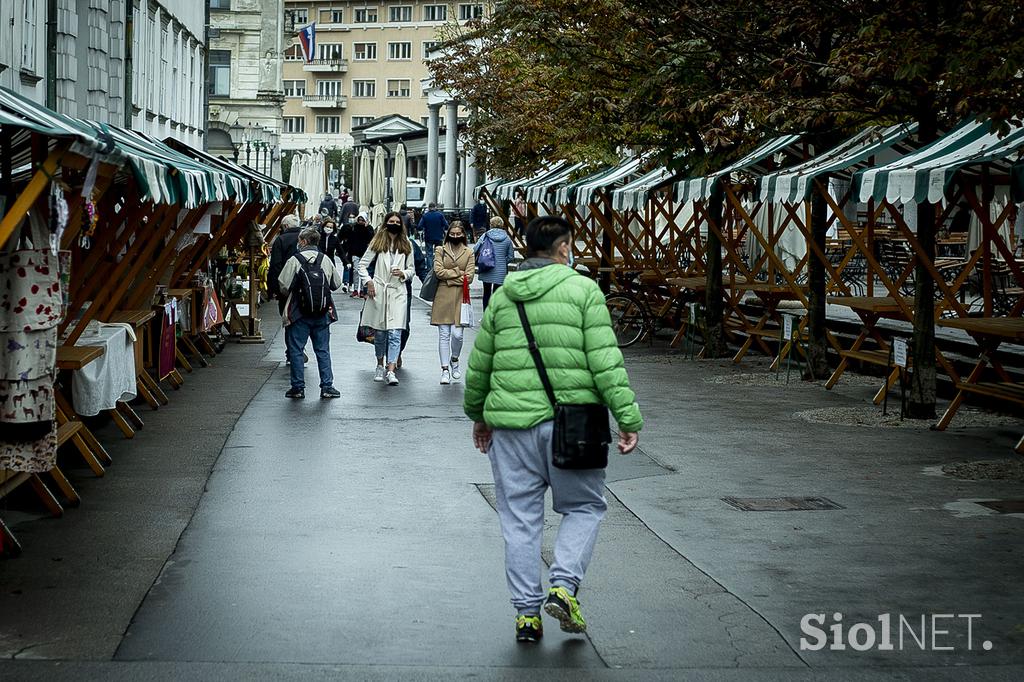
269 189
506 190
539 190
162 174
926 175
581 191
795 184
754 163
633 195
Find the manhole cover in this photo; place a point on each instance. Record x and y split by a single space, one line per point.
1005 506
781 503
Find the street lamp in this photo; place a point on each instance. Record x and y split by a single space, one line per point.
236 132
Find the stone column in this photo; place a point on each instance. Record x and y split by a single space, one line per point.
451 157
430 193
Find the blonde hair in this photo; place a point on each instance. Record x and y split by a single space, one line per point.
497 221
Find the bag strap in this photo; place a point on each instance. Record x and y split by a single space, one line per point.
535 352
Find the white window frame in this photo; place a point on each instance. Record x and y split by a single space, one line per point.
322 49
366 45
397 47
328 118
404 10
429 45
361 120
399 95
289 121
359 83
296 49
365 20
293 91
28 37
435 10
329 88
212 67
476 11
301 16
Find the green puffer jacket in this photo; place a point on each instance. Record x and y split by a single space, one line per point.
573 330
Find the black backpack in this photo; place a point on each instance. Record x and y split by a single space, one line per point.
312 287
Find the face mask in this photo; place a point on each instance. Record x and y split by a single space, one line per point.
394 229
461 239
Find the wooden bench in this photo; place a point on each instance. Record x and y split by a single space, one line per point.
1000 391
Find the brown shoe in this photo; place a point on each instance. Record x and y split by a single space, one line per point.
398 365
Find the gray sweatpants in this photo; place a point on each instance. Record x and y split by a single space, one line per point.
521 462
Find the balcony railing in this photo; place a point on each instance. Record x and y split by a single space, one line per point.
325 101
326 65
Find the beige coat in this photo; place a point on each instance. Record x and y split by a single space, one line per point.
450 267
386 310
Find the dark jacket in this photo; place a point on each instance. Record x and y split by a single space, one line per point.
330 245
359 240
479 217
433 225
349 209
284 247
330 205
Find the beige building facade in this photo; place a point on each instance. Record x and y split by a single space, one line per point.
369 64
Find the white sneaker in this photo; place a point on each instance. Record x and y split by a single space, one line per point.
392 379
456 372
446 377
378 374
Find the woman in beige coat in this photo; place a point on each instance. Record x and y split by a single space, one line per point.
391 254
453 264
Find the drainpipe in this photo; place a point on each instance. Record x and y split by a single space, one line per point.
205 75
129 66
51 54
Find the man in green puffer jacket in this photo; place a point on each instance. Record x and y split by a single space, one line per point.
512 418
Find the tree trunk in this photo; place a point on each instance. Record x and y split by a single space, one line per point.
714 317
817 343
921 402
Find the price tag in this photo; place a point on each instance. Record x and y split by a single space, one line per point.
899 352
787 326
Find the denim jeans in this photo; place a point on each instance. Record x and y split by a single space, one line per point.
428 253
296 334
388 342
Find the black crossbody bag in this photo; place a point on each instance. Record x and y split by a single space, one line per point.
581 433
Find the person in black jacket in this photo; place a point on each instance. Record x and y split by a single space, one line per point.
328 207
421 272
284 247
358 242
330 245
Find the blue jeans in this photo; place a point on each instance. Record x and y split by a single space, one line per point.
296 334
388 342
429 254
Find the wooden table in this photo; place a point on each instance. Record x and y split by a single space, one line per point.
870 309
771 295
989 333
148 388
72 358
188 297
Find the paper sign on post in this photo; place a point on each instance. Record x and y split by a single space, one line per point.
899 352
787 326
693 313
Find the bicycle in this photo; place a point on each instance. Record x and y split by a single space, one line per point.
633 317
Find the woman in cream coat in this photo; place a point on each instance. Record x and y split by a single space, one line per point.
453 263
385 309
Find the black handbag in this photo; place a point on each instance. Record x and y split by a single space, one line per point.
581 433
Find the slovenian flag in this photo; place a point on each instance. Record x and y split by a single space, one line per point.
307 39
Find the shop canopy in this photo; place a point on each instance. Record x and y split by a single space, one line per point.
539 190
506 190
581 190
162 174
270 189
757 162
926 174
795 184
633 195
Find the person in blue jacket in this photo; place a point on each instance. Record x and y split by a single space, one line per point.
433 225
503 252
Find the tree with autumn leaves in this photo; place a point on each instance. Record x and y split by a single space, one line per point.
698 83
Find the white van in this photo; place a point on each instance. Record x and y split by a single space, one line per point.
415 188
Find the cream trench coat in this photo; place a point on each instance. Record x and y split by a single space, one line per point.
386 310
450 267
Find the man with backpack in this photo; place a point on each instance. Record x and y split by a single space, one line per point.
309 278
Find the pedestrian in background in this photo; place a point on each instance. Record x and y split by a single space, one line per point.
433 226
348 212
328 207
479 217
285 245
329 243
454 268
391 255
513 413
407 221
358 242
519 212
309 277
503 250
421 272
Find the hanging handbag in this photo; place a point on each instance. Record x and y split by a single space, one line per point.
581 434
364 333
466 318
428 290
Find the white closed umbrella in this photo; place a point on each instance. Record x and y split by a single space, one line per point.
296 176
363 188
441 188
398 178
377 184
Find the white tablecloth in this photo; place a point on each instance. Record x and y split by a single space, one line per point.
110 378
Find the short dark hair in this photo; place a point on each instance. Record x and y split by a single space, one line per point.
544 234
432 205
